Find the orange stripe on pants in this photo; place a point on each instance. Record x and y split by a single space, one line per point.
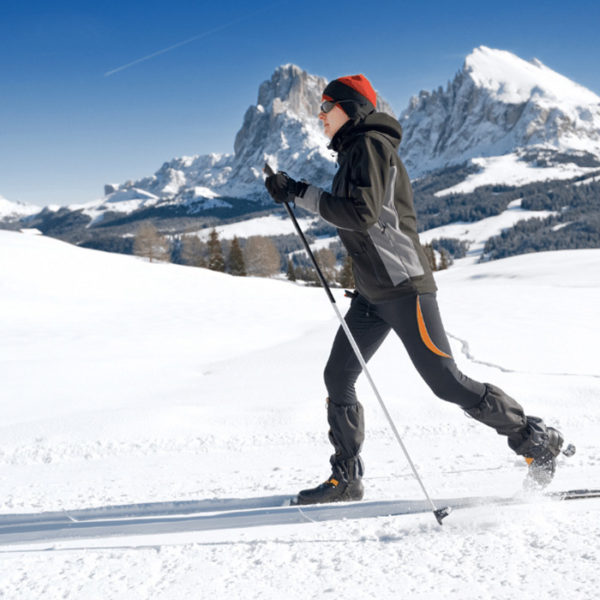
425 334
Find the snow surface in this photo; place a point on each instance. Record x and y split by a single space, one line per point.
267 225
125 383
16 210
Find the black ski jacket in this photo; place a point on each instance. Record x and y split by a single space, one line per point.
371 205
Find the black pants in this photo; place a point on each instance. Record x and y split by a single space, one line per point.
417 322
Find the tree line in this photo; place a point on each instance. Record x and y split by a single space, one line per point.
259 256
253 256
574 224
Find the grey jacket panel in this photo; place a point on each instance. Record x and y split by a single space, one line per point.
396 249
310 199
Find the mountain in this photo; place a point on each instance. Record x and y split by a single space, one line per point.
500 121
511 120
282 127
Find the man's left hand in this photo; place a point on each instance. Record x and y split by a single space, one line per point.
283 188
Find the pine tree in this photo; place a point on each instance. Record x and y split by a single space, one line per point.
216 262
346 274
291 272
235 260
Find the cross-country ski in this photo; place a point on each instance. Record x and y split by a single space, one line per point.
185 517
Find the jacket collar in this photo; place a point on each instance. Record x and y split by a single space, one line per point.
343 135
381 123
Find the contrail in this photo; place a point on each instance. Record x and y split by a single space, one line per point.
188 41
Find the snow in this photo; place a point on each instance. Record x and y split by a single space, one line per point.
124 200
267 225
203 192
508 169
588 180
16 210
130 383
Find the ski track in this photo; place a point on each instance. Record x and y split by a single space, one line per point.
465 349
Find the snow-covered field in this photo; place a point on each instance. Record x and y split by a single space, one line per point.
129 383
267 225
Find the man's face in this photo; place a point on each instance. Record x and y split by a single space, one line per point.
333 120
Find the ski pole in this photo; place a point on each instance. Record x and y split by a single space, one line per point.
439 513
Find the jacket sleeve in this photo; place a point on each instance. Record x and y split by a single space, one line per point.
368 177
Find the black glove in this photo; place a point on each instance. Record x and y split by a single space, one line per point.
283 188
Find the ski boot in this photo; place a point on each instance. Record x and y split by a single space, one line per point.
332 490
542 460
539 445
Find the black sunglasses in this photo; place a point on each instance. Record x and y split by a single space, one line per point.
328 105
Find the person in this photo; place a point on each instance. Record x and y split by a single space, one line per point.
371 205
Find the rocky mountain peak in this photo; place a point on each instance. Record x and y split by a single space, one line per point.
498 104
292 88
282 127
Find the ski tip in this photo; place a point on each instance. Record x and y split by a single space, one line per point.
442 513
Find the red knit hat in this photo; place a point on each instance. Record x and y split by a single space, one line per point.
354 88
358 83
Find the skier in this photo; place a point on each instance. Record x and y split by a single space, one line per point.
371 206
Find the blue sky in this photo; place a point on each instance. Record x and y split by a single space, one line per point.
67 128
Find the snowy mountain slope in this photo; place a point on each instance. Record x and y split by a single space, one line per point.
512 169
478 232
267 225
497 105
126 382
13 211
